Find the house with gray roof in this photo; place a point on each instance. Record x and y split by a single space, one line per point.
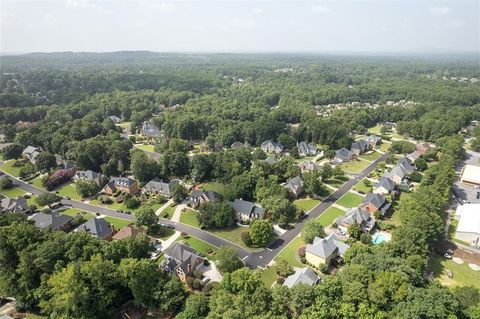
309 166
375 202
407 164
98 227
325 250
115 119
18 205
121 184
31 152
374 140
305 149
397 174
89 176
384 186
294 186
53 221
358 216
239 145
304 276
159 187
149 130
198 197
247 211
183 260
270 146
413 156
360 147
344 155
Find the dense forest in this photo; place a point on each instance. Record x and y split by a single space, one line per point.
64 101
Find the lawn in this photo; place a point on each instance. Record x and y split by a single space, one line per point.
375 130
169 210
74 212
69 190
268 276
289 253
371 157
384 146
189 217
233 235
13 192
350 200
329 216
124 125
216 187
10 169
121 206
117 222
452 228
463 275
146 147
355 166
362 188
37 182
306 204
199 245
336 181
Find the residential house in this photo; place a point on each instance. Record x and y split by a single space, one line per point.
413 156
122 184
98 227
305 149
239 145
130 231
422 148
360 147
304 276
407 164
468 229
198 197
183 260
18 205
344 155
115 119
53 221
384 186
159 187
397 174
247 211
89 176
294 186
149 130
325 250
374 141
358 216
31 152
270 146
375 202
309 166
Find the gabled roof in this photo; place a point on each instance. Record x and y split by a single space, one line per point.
208 195
121 182
15 205
398 170
270 160
307 149
270 143
185 256
407 164
295 184
386 183
374 139
98 227
52 221
157 185
354 215
376 200
310 166
129 231
325 247
150 129
343 153
90 175
302 276
361 145
253 210
29 150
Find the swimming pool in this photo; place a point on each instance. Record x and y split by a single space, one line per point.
380 237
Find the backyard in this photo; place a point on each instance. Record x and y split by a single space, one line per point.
462 274
350 200
146 147
215 186
306 204
329 216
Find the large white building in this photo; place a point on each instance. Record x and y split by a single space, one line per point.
468 229
471 175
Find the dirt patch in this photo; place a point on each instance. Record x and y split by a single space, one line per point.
466 255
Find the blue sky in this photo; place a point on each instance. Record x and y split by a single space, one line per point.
234 26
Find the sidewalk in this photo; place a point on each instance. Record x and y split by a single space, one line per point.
178 212
160 210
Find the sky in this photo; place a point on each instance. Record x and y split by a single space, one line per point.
239 26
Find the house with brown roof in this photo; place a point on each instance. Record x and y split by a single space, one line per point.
130 231
183 260
122 184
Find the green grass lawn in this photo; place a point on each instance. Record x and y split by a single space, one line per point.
10 169
233 235
371 157
117 222
199 245
169 210
355 166
37 182
69 190
121 206
146 147
13 192
189 217
329 216
268 276
74 212
306 204
289 253
375 130
361 187
336 181
384 146
463 275
350 200
167 233
124 125
216 187
452 228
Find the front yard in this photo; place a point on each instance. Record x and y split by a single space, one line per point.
336 181
69 190
117 222
74 212
371 157
189 217
117 206
289 253
350 200
355 166
361 187
329 216
268 276
9 168
200 246
307 204
13 192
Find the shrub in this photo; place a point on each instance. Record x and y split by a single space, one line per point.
246 239
303 260
105 199
323 268
5 183
59 177
301 252
132 202
280 280
366 239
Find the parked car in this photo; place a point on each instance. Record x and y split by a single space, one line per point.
167 226
447 256
205 280
449 251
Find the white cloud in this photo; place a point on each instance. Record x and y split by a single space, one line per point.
242 23
321 9
257 10
163 7
454 24
440 11
49 18
81 4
